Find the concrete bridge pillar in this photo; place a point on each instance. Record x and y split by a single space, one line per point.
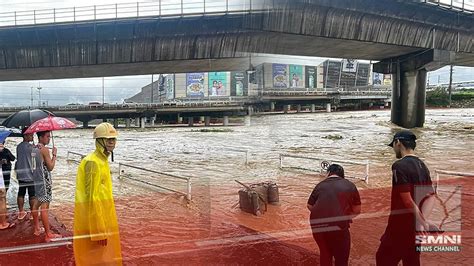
298 108
127 122
272 106
137 122
202 119
152 121
191 121
409 74
116 122
207 121
226 120
408 98
285 109
142 122
328 107
179 119
313 108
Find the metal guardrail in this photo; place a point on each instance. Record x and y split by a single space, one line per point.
74 153
187 179
458 5
162 8
329 161
452 173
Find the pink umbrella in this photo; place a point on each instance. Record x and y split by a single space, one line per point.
50 123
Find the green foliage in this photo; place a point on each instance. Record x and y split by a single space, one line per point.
437 97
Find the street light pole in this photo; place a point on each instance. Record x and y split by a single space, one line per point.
103 91
450 88
39 96
31 97
152 87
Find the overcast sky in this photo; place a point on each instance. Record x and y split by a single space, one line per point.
64 91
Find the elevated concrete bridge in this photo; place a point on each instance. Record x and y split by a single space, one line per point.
203 108
407 37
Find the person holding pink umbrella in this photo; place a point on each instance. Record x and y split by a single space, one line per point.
43 164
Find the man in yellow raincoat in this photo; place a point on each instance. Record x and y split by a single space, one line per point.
96 231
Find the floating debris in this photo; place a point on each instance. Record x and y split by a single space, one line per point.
333 137
208 130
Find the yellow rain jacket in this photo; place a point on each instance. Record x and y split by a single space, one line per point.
94 214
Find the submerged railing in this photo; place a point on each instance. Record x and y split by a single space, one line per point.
69 153
187 179
451 173
325 163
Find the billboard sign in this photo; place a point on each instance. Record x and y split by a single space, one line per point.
310 77
195 84
349 65
238 84
296 76
217 83
280 76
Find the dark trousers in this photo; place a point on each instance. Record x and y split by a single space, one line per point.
6 180
334 244
392 251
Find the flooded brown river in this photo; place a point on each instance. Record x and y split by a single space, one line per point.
162 227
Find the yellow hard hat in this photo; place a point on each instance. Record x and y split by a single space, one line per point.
105 130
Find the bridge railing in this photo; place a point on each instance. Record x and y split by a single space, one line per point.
162 8
325 162
460 5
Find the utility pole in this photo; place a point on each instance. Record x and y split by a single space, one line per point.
103 91
450 84
39 96
152 87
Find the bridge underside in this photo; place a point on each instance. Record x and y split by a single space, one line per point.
114 60
393 32
338 28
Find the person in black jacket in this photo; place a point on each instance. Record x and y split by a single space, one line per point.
6 158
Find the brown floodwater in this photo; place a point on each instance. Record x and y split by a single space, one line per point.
158 226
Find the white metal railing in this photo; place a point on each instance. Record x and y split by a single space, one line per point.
451 173
74 153
459 5
187 179
173 8
327 162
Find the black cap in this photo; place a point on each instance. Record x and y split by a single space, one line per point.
403 135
